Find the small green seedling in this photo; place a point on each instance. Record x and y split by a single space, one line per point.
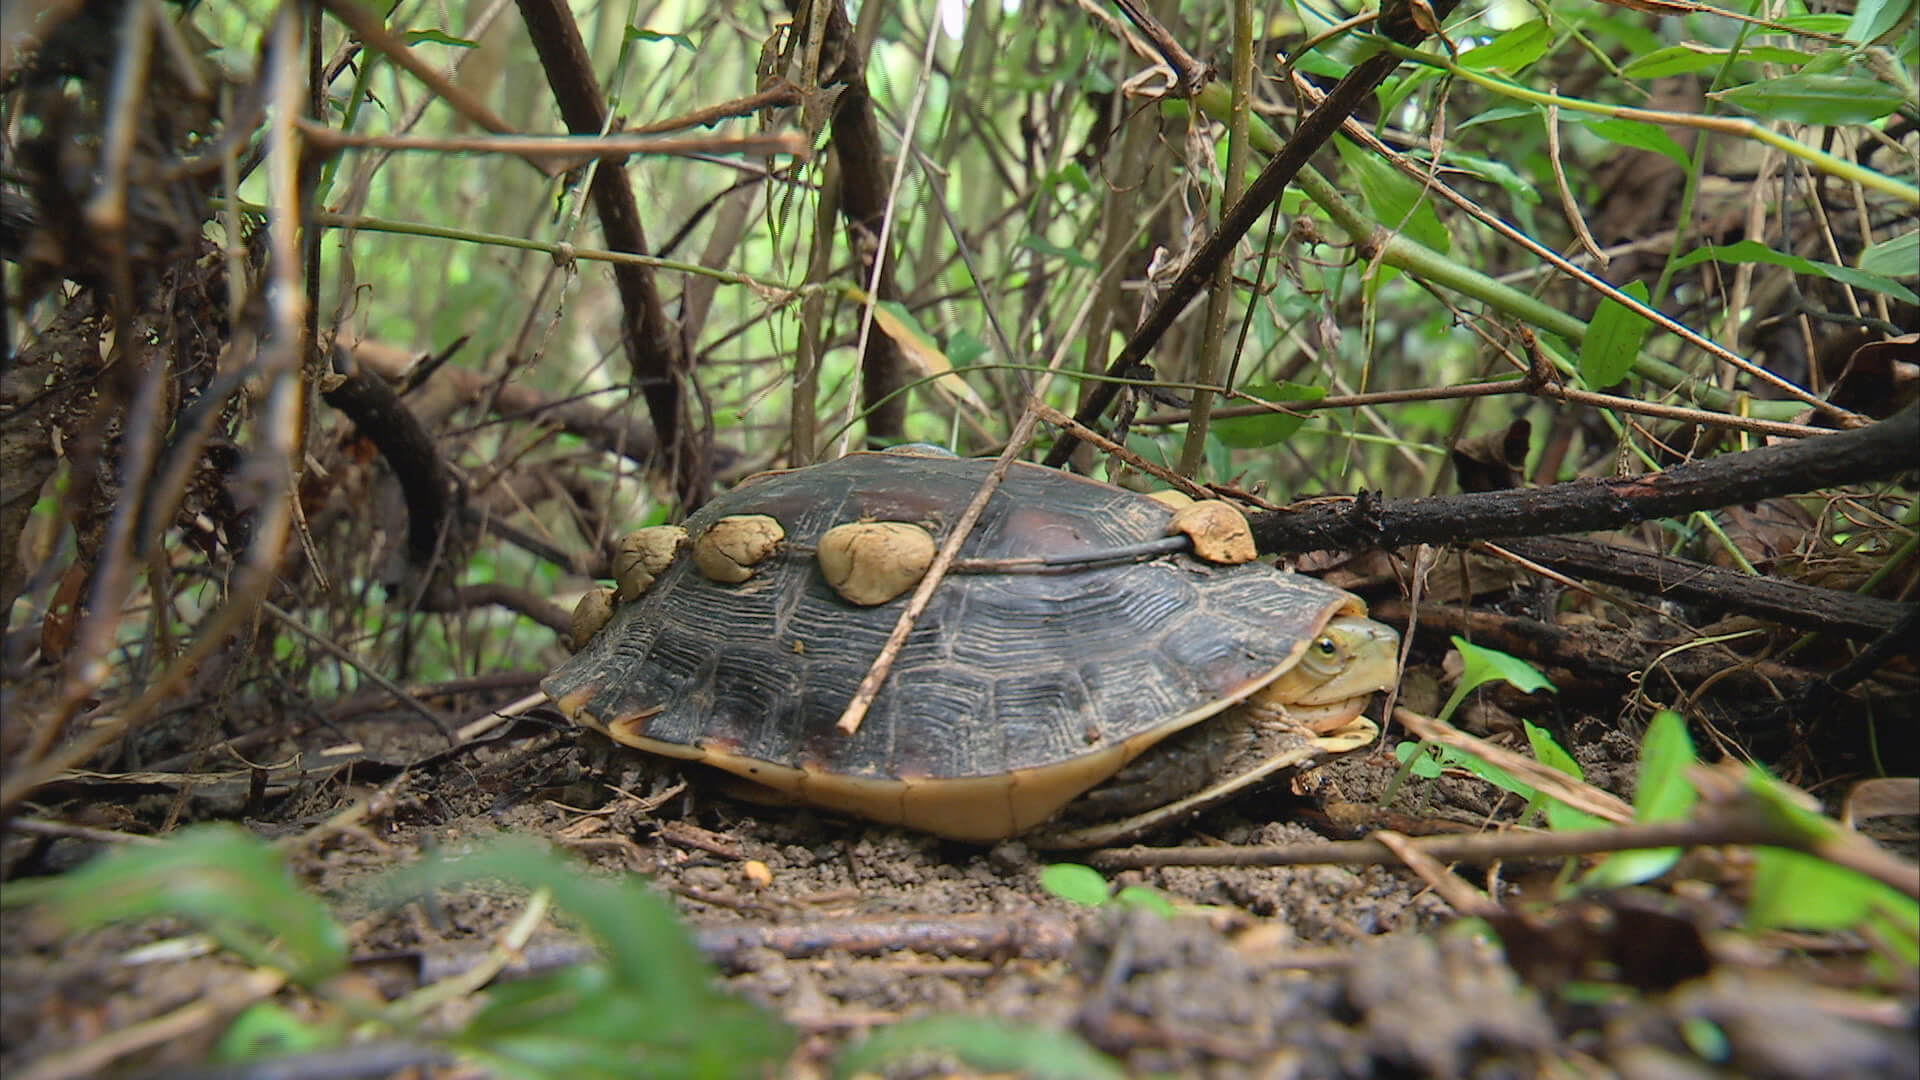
1084 885
982 1043
1661 794
1479 667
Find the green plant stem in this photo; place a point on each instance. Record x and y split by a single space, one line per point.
1213 365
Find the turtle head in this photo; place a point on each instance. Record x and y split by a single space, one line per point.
1345 664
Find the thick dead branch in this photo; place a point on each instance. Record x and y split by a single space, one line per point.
1807 606
432 495
1877 452
652 347
864 181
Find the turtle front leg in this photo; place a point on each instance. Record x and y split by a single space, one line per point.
1290 746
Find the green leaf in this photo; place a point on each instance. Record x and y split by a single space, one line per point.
1427 765
1393 91
267 1029
1815 99
963 348
1564 818
1804 892
1706 1039
1663 792
1494 115
1075 883
1265 429
635 33
652 999
1482 665
1757 252
1895 258
1689 57
1833 25
984 1043
1047 247
1512 50
1876 22
1549 752
1493 170
1396 201
221 877
436 37
1639 135
645 945
1434 759
1613 338
1672 60
1072 174
1139 896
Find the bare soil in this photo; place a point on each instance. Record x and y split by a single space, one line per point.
842 927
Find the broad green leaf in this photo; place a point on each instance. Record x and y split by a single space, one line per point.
646 947
1773 54
1495 171
1613 338
1672 60
964 348
1426 765
1482 665
1564 818
1139 896
437 37
1706 1039
1835 25
1075 883
1639 135
1663 793
1047 247
220 877
1395 90
1433 759
267 1029
1794 889
1688 57
1503 112
1755 251
1895 258
1801 891
635 33
1876 22
1815 99
1072 174
1396 201
1512 50
985 1043
1550 753
1265 429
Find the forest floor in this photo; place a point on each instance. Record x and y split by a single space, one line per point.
843 928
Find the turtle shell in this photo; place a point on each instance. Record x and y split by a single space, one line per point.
1015 692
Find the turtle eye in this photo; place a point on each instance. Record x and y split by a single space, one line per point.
1326 646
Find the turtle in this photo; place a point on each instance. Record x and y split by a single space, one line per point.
1131 679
